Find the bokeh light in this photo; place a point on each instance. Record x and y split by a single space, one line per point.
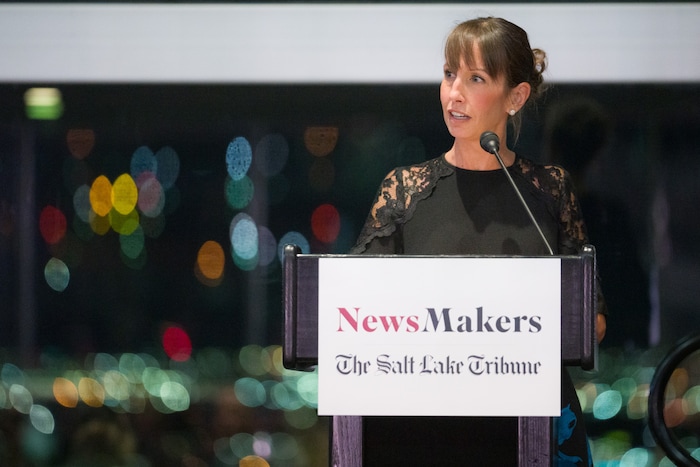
175 396
239 156
244 236
607 405
255 360
325 223
56 274
177 344
321 141
65 392
124 224
692 400
124 194
20 398
12 374
267 246
211 260
42 419
101 196
253 461
242 444
43 103
81 203
80 142
143 161
133 243
250 392
636 457
674 412
168 163
239 193
271 154
151 196
52 224
91 392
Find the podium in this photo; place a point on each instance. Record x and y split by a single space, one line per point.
534 434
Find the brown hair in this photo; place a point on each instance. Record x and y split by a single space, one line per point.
505 50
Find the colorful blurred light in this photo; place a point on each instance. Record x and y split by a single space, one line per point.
43 103
124 194
239 156
133 243
267 246
142 161
177 344
607 405
271 154
81 203
320 141
151 197
101 196
91 392
52 224
250 392
211 260
244 236
42 419
56 274
65 392
80 142
239 193
20 398
325 223
168 163
124 224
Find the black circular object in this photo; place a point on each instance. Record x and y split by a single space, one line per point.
663 435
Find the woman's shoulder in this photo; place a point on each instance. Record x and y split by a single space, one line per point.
420 173
541 173
549 180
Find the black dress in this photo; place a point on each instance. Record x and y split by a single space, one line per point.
434 208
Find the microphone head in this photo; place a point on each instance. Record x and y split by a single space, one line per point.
490 142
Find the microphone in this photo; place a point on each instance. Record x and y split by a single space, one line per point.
491 143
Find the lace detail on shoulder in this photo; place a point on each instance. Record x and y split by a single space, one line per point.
554 183
397 197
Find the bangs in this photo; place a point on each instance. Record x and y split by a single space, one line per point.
460 46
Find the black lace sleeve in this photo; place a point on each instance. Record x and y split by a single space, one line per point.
554 184
394 204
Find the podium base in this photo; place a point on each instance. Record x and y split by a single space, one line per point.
443 441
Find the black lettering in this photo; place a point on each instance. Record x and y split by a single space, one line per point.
435 320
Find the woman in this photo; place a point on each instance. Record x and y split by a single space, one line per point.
462 203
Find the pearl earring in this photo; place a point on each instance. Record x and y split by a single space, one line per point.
511 112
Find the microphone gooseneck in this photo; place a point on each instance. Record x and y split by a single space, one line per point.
491 143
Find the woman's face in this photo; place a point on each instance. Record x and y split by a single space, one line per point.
473 101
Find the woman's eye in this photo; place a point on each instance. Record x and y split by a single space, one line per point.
477 79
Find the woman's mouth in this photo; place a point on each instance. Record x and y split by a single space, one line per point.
458 115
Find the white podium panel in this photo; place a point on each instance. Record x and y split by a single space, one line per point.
459 336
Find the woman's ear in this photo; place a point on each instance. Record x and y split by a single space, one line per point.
519 95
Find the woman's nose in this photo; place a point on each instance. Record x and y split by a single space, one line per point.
456 91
